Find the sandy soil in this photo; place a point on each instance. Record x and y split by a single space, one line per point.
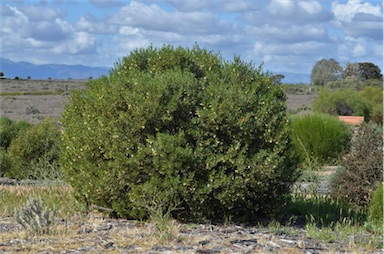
31 107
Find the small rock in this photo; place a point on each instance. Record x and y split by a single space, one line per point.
205 242
209 251
104 227
109 245
244 242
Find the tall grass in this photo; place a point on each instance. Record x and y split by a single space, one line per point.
59 196
319 136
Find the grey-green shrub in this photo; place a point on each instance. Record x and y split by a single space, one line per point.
33 154
342 102
363 167
213 133
320 136
35 217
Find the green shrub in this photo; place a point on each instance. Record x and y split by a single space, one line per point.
4 161
9 129
363 167
319 136
374 95
33 154
342 102
213 133
376 206
348 83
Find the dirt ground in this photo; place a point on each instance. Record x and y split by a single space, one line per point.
42 98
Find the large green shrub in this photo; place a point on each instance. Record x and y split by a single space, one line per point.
342 102
33 154
363 167
208 135
320 136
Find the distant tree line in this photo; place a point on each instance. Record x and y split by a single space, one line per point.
326 71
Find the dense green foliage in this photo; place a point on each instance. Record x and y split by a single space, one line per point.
342 102
206 135
34 152
320 136
9 129
374 95
363 167
362 71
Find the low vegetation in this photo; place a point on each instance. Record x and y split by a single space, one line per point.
320 137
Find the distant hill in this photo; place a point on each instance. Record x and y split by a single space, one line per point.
24 70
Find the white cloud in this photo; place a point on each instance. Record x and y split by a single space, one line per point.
93 25
284 7
152 17
359 19
80 43
311 7
346 12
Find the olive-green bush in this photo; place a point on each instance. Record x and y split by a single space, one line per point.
33 154
376 206
342 102
320 136
208 135
363 167
9 129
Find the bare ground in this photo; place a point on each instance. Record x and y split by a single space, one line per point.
34 108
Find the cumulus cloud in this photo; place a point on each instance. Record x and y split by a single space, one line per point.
359 19
38 30
94 25
152 17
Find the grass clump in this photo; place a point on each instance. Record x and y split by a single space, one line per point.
319 138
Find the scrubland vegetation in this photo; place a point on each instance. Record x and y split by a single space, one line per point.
182 134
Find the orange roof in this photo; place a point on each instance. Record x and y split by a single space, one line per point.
352 120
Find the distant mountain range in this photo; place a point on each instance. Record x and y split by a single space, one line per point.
23 70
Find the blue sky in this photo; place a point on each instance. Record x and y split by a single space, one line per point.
285 35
